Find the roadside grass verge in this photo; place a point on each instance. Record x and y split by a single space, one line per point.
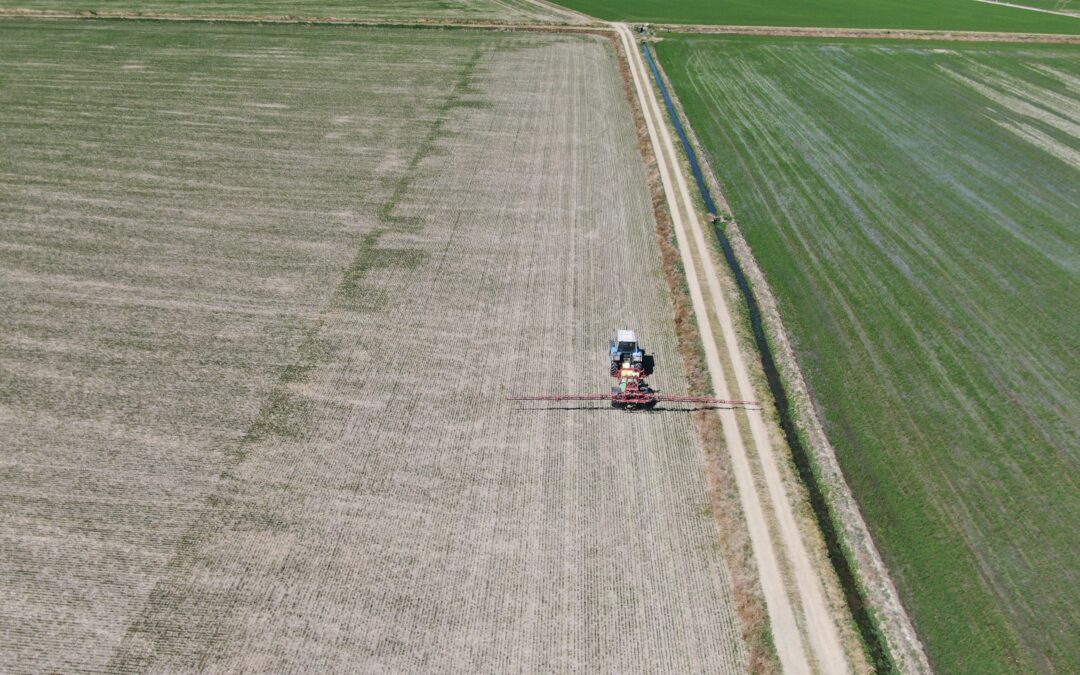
726 508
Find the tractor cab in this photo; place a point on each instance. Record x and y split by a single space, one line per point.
624 348
626 352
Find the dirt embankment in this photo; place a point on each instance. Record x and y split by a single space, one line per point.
870 33
787 552
723 492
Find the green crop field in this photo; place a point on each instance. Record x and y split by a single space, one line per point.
509 10
916 210
1068 6
922 14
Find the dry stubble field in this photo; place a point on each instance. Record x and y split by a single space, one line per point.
263 292
411 10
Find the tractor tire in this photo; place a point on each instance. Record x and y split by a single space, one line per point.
614 369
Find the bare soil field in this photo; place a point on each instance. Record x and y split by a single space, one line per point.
263 292
412 10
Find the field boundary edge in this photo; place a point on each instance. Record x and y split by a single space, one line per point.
866 33
594 25
492 24
747 592
874 583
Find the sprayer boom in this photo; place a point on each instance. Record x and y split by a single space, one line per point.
630 365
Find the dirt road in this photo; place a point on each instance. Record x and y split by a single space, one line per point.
868 33
777 542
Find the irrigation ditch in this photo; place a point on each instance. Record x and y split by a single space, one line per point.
869 628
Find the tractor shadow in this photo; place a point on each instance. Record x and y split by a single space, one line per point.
607 408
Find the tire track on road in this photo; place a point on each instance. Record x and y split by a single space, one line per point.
820 629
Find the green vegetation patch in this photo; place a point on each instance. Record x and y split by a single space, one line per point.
915 209
917 15
1067 6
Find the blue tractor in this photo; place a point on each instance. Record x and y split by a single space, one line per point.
625 350
630 365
